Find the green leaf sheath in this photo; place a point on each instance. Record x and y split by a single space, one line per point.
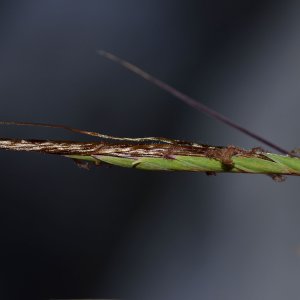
270 164
164 155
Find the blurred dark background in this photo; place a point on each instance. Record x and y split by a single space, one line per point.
122 233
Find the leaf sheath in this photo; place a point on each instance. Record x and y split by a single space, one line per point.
163 156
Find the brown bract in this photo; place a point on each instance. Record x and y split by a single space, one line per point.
129 150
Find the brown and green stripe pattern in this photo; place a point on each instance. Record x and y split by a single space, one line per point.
164 156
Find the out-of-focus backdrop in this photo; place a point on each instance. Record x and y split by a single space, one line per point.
121 233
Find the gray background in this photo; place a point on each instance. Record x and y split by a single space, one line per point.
121 233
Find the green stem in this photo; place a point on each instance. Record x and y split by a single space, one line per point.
164 156
268 163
